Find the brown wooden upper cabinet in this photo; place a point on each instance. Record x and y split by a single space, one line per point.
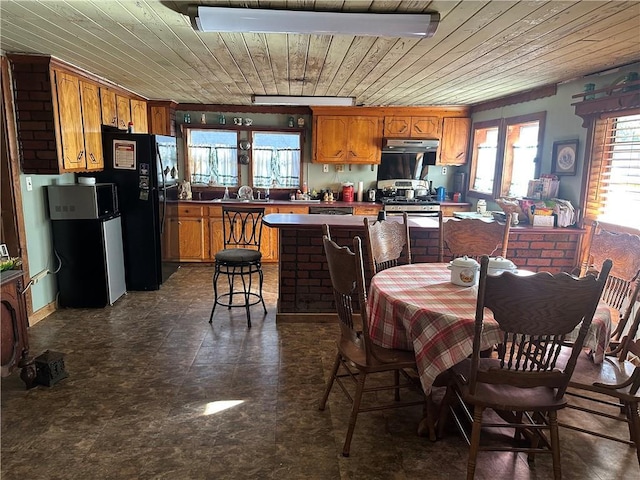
139 116
108 104
412 127
454 143
162 116
78 123
116 109
351 139
123 110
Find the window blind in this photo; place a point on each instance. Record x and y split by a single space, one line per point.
614 177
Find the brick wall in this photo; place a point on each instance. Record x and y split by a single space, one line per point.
35 115
305 285
550 252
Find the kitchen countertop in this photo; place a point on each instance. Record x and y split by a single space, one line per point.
285 220
217 201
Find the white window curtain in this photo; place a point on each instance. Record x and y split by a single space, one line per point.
276 167
213 165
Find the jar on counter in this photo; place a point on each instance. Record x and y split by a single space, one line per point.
347 192
481 206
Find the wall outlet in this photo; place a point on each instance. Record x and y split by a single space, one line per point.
325 168
29 184
339 168
444 170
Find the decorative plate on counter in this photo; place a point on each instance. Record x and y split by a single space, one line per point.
245 193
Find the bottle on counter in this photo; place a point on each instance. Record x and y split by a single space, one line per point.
266 193
130 127
226 193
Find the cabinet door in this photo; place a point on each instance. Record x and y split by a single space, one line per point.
70 117
216 239
108 104
123 110
269 240
139 116
159 121
13 324
365 140
170 243
398 127
455 141
425 127
331 135
193 239
91 119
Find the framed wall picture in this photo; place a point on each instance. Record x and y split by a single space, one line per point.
565 155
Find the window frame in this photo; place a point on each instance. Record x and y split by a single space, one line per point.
273 131
186 132
502 174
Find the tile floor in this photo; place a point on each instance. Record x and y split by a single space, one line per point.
155 392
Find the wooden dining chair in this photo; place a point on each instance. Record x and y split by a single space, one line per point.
388 243
357 356
526 384
623 286
473 237
611 390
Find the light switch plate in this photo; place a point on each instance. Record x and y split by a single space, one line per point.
29 184
325 168
444 170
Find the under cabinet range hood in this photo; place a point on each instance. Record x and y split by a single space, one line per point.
408 145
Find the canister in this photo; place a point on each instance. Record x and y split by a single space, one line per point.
481 206
347 192
441 194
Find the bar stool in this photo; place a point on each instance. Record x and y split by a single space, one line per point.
241 257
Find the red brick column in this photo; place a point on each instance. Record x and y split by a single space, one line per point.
35 114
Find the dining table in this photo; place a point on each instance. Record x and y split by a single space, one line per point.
417 307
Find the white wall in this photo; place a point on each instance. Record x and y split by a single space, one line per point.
38 234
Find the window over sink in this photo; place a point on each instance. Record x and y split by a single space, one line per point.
219 157
212 157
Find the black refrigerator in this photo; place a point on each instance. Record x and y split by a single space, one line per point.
142 167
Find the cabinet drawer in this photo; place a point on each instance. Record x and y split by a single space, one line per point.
372 210
190 210
294 209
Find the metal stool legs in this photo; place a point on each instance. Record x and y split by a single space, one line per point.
245 272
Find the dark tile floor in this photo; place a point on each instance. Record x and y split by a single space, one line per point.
155 392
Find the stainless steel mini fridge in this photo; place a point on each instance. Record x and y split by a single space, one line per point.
91 270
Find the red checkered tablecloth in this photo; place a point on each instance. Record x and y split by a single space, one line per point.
416 307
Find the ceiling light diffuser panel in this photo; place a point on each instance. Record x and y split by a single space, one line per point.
254 20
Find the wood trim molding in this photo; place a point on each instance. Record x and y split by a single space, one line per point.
13 159
528 96
290 110
42 313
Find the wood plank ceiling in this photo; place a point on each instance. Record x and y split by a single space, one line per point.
482 50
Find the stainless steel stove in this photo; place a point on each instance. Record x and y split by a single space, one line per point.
397 203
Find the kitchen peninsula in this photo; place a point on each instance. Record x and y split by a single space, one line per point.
305 292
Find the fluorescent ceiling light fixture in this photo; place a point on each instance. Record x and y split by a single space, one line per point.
299 100
258 20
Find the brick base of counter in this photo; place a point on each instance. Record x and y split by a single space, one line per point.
305 285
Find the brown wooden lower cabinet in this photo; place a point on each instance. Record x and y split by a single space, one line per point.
14 322
186 236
